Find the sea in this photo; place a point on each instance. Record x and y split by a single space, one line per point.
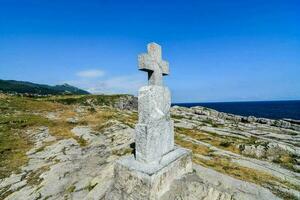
265 109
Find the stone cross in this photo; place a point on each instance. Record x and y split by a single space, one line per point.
157 163
154 131
152 63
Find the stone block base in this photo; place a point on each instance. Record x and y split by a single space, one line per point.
138 181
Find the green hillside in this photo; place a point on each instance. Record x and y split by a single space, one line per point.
22 87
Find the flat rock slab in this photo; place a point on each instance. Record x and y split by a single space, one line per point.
135 181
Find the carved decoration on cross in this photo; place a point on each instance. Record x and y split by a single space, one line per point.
152 63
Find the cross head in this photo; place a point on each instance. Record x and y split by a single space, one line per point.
152 63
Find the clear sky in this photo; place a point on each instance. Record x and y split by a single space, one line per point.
218 50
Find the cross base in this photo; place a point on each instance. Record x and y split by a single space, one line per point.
135 180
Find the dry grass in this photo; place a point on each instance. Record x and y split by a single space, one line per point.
67 113
129 119
122 151
34 177
14 142
61 130
13 155
26 104
264 179
99 117
19 114
197 149
226 143
16 117
71 189
225 166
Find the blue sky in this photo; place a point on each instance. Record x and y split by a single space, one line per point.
217 50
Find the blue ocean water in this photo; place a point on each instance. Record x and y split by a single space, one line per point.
266 109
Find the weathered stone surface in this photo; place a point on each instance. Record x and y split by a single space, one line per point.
192 187
153 64
64 169
135 180
226 185
154 131
90 167
153 104
126 102
156 164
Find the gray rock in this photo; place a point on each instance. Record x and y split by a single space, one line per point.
282 124
192 187
72 120
135 180
257 151
229 186
251 119
127 102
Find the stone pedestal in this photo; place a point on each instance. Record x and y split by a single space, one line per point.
155 129
137 181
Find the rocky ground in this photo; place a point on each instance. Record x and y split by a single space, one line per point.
64 147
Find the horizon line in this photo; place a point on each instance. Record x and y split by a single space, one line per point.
246 101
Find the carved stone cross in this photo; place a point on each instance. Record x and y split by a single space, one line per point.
157 163
152 63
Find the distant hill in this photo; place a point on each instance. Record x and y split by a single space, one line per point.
22 87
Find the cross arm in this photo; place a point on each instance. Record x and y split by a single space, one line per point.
145 62
164 67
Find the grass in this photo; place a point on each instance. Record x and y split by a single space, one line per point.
10 104
212 123
196 148
99 117
14 143
90 187
222 142
129 119
224 164
82 142
287 161
227 143
17 117
19 114
86 100
177 117
71 189
122 151
34 177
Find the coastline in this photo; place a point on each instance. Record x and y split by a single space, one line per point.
287 109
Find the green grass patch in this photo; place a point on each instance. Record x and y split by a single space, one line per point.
85 100
14 143
177 117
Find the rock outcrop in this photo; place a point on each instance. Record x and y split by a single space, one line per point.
73 151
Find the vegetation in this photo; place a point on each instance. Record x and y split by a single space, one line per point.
224 164
13 142
11 86
222 142
19 114
85 100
